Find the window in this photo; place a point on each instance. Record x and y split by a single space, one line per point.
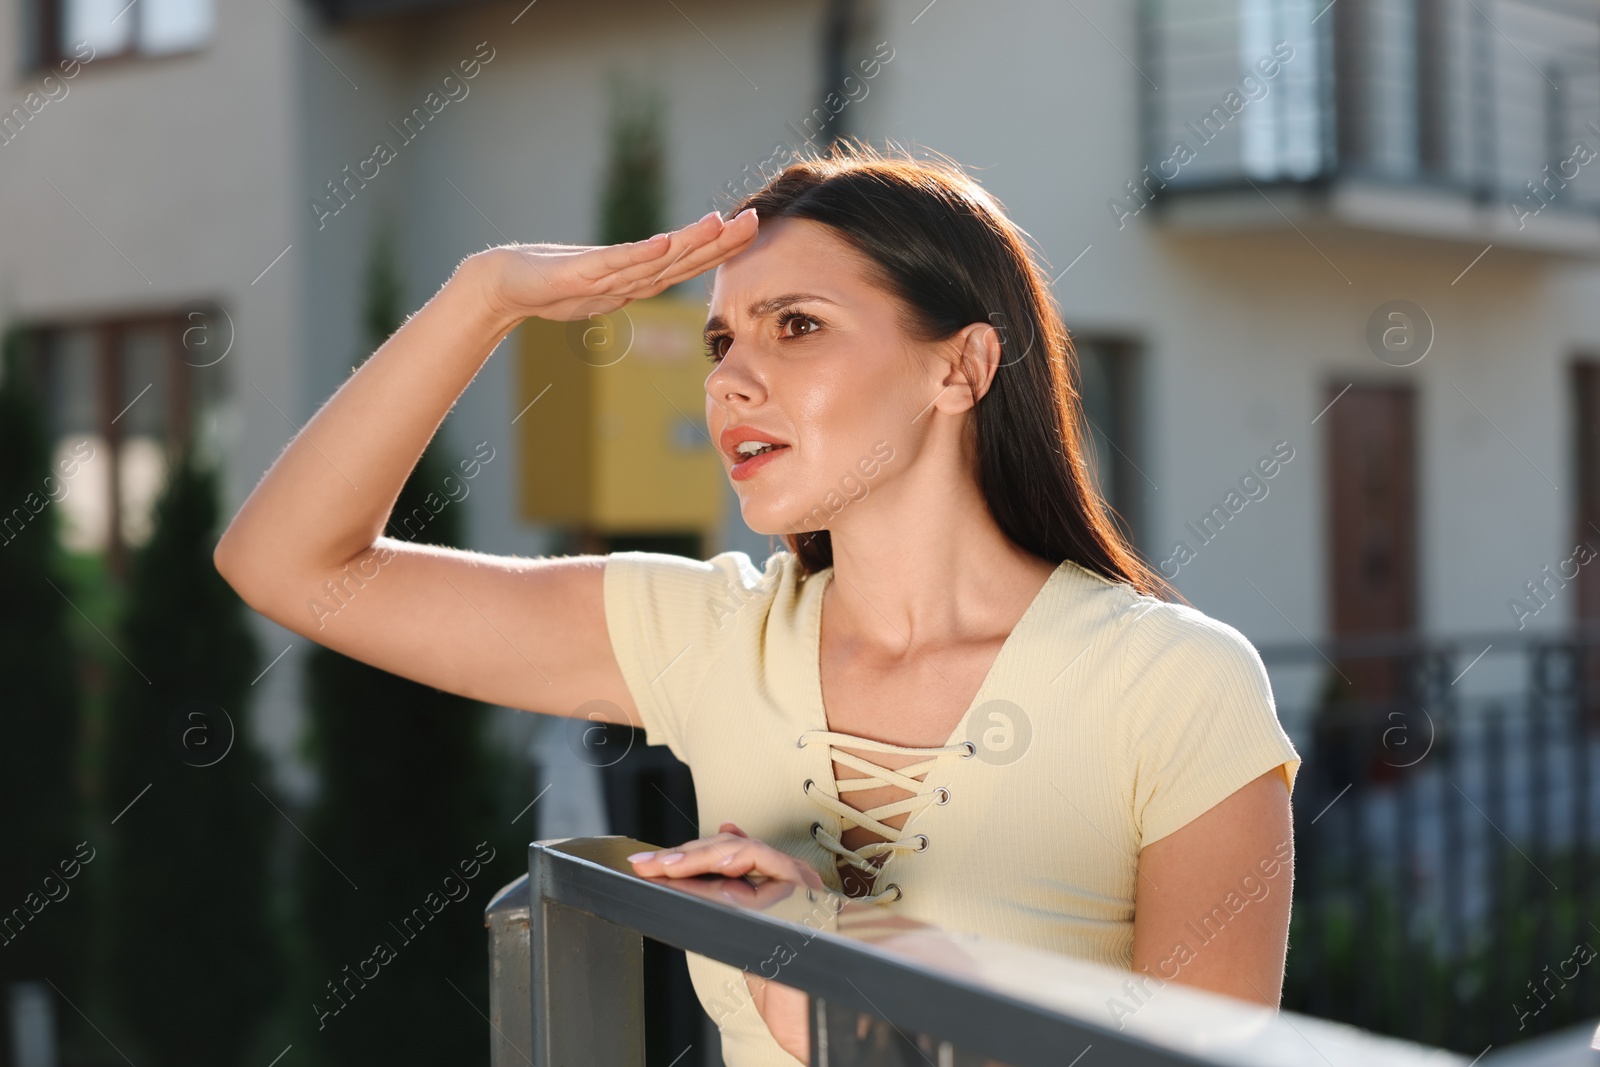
1108 381
123 395
114 28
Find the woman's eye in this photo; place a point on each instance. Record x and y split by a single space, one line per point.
802 326
797 320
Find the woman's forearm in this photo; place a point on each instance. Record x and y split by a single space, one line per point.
327 497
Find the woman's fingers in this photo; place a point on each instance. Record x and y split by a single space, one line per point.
567 282
620 257
625 262
735 237
700 856
792 871
613 258
693 250
756 857
730 854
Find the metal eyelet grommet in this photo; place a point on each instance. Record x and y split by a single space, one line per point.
800 742
898 892
814 828
943 794
806 788
972 749
924 846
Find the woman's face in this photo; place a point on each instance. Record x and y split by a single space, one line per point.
809 354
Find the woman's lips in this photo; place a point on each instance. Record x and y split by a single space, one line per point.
745 468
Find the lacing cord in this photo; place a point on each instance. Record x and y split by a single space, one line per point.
872 819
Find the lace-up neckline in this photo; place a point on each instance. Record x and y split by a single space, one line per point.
872 819
906 777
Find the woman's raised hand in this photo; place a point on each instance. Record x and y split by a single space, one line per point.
567 282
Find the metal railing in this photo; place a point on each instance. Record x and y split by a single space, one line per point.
1477 97
1447 826
566 988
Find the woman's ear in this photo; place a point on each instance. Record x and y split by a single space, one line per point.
974 356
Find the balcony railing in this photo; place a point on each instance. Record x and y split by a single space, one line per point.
1458 117
348 11
1447 818
566 950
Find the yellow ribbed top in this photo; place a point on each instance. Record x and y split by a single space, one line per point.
1109 719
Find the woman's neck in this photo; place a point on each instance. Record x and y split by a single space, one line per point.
927 565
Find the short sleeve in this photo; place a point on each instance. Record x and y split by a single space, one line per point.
669 618
1199 717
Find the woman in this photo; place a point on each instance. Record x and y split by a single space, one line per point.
958 693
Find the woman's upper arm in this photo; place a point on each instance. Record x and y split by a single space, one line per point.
1210 769
512 631
1212 905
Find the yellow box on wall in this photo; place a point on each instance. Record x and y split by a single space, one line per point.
611 429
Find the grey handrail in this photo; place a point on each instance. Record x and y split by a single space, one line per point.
566 982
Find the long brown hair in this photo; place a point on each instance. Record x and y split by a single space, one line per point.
942 245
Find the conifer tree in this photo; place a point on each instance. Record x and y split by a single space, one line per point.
40 828
634 205
405 819
194 963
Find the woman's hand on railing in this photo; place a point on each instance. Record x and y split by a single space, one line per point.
732 853
735 854
567 282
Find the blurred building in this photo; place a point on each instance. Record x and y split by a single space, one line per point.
194 184
1351 244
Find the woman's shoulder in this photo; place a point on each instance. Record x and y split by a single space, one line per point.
1175 652
721 586
1166 624
1148 628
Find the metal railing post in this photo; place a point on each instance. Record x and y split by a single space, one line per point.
510 975
587 981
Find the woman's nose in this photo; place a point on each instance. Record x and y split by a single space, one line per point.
731 382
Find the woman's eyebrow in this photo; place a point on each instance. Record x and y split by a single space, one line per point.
767 307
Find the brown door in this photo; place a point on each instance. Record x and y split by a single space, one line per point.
1371 487
1372 507
1586 449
